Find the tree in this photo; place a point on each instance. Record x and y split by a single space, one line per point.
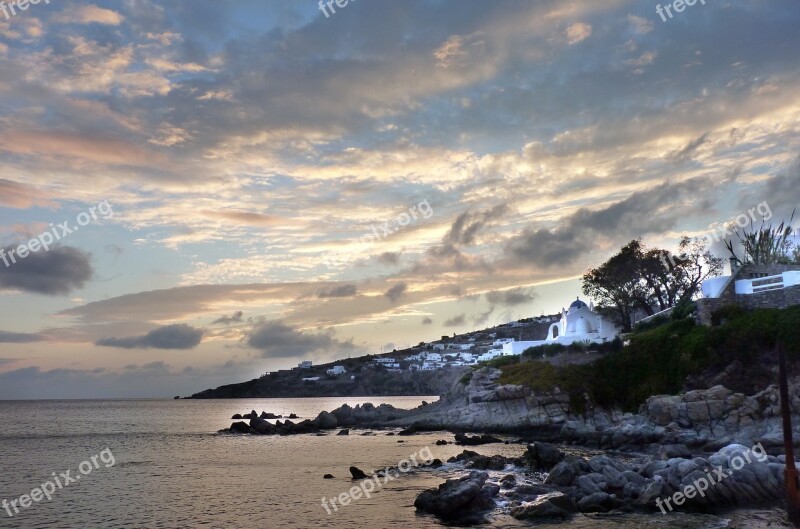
650 279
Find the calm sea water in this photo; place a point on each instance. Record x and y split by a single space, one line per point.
172 470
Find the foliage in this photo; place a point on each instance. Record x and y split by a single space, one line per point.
650 278
767 245
651 324
659 360
500 361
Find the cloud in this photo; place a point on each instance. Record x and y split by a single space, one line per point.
396 292
456 321
19 337
578 32
467 225
89 14
21 196
389 258
511 297
341 291
276 339
655 210
427 321
178 336
58 271
481 319
236 317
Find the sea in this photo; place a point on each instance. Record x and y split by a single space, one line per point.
162 464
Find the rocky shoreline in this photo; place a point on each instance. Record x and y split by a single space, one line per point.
728 440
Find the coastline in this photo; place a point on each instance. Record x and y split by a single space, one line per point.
648 456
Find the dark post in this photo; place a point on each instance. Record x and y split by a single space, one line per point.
792 493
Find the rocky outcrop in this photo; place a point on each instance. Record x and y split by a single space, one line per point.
476 440
456 498
734 476
712 418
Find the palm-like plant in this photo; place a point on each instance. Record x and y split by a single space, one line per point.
765 246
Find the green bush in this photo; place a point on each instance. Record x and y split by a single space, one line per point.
500 361
659 360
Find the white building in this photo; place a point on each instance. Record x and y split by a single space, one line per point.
578 324
306 364
310 379
502 341
337 370
490 355
385 360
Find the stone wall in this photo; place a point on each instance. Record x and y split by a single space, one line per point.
773 299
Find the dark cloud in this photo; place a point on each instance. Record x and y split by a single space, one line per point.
341 291
236 317
467 225
178 336
514 296
481 319
276 339
690 148
58 271
19 337
427 321
396 292
389 258
456 321
655 210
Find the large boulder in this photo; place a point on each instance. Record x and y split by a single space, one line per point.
357 473
476 440
458 497
240 427
547 506
543 456
261 426
326 421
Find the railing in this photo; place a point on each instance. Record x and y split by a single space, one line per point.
767 284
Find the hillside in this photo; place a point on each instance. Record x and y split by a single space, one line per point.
363 378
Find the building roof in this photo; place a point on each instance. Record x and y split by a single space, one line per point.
577 304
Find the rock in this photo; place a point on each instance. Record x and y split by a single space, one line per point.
293 416
562 475
261 426
543 456
240 427
478 461
412 430
457 497
326 421
552 505
509 481
327 476
344 432
357 473
588 486
673 451
236 416
436 463
465 440
441 442
598 502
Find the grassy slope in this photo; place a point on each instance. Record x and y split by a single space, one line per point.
659 360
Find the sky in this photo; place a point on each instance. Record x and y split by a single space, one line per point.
228 188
